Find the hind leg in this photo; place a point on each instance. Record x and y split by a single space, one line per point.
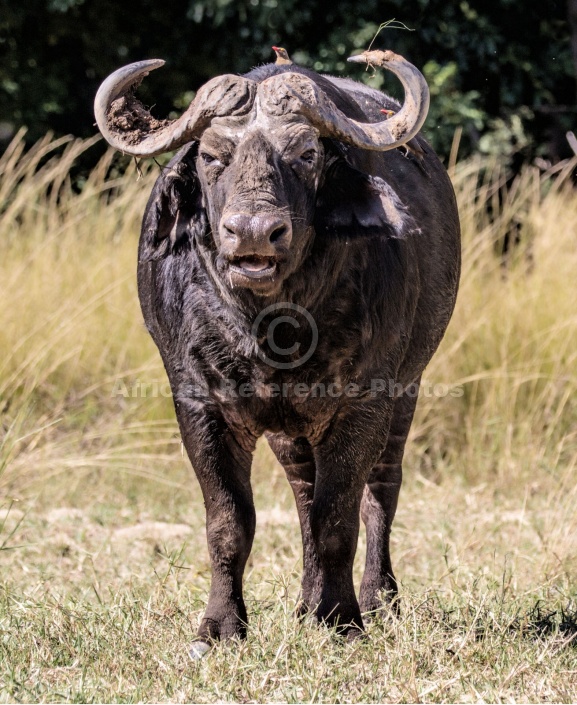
378 508
296 457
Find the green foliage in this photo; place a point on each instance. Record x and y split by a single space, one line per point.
507 135
451 109
487 64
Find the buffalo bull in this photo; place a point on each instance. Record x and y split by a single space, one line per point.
298 266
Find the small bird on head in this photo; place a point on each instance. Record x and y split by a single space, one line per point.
282 56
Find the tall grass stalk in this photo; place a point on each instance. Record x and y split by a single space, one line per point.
102 546
71 332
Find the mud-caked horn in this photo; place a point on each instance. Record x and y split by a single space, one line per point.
293 92
129 127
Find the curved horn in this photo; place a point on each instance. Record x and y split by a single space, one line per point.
293 92
129 127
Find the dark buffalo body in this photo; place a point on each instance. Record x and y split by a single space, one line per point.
247 227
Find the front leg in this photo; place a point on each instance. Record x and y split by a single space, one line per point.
222 467
296 457
344 461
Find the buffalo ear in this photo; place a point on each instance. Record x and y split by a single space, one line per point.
353 204
174 215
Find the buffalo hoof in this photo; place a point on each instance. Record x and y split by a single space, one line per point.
221 626
198 650
387 602
352 633
346 620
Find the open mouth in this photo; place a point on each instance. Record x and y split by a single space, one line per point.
254 266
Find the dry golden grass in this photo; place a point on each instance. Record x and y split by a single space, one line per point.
102 544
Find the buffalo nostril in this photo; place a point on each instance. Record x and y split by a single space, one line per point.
277 233
229 229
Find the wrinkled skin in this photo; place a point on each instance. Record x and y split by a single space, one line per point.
262 212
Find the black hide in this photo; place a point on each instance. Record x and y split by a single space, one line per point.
374 261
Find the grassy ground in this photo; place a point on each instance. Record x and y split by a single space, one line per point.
105 571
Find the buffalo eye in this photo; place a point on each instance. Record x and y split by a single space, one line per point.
209 159
309 156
